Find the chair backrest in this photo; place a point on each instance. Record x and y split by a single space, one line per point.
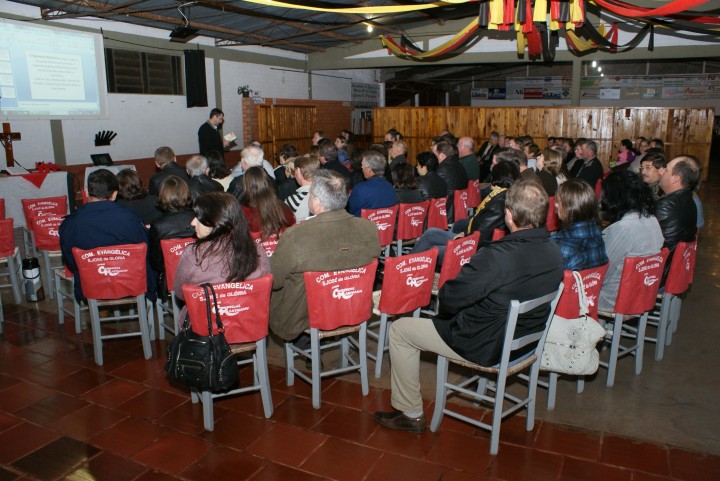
460 204
678 278
437 214
411 220
340 298
7 237
269 245
498 234
473 188
46 229
172 249
553 221
568 306
639 283
598 188
244 308
407 282
693 256
458 253
112 272
384 219
46 206
2 208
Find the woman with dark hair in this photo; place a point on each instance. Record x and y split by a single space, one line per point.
132 195
579 238
430 184
548 164
356 174
219 171
224 250
634 231
405 184
286 184
265 213
175 202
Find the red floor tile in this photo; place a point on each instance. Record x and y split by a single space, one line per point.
56 458
107 467
460 451
82 381
7 381
7 421
286 444
515 462
338 459
153 475
348 424
173 452
568 441
582 470
278 472
692 466
50 373
21 395
223 464
399 468
402 442
186 417
298 411
128 436
88 421
49 409
635 455
22 439
449 423
114 392
348 394
152 404
238 430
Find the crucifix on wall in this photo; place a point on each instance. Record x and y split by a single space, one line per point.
7 137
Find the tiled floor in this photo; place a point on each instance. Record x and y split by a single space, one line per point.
62 417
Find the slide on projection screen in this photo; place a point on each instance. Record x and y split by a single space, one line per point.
50 73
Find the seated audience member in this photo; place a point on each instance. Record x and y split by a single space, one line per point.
305 168
393 135
286 184
219 171
265 213
580 239
657 144
405 184
397 155
431 185
474 306
343 156
591 170
167 163
199 183
265 163
175 202
132 195
376 191
625 154
328 154
450 170
468 159
549 163
641 147
652 168
102 223
485 154
331 240
318 135
526 171
488 216
223 251
634 230
356 173
250 156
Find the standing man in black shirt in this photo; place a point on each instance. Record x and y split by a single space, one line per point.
209 137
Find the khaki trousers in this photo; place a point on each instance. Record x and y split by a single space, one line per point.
409 336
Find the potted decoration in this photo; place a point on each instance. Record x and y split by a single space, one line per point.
246 91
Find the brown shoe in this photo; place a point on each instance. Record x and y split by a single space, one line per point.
397 420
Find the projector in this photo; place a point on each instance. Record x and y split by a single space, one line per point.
183 34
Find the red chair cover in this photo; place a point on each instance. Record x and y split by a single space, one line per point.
7 237
437 215
639 283
384 219
693 256
48 205
269 245
172 249
408 282
553 221
592 280
460 204
112 272
473 199
340 298
411 220
2 208
46 229
678 279
499 234
598 188
457 253
244 308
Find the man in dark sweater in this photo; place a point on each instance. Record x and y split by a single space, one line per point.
167 163
523 265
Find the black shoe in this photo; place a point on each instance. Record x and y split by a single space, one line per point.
397 420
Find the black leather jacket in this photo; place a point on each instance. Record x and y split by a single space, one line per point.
432 186
202 184
677 215
454 175
491 217
171 225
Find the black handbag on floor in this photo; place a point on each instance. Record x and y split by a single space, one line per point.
203 362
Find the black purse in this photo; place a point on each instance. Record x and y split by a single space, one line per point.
203 362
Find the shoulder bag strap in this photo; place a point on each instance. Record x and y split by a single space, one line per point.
207 308
218 321
582 296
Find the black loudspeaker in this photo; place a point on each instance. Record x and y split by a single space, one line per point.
195 83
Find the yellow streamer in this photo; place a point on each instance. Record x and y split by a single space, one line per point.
430 53
582 44
576 11
521 41
497 7
360 10
540 11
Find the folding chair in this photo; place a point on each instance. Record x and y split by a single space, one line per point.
172 249
339 304
460 204
675 313
569 309
64 281
2 208
407 286
10 258
437 214
115 276
269 245
244 310
473 198
45 229
457 253
639 284
553 221
501 371
410 223
499 234
384 219
40 207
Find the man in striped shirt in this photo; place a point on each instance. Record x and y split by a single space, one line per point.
305 168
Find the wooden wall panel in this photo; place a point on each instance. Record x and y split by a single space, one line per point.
699 125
